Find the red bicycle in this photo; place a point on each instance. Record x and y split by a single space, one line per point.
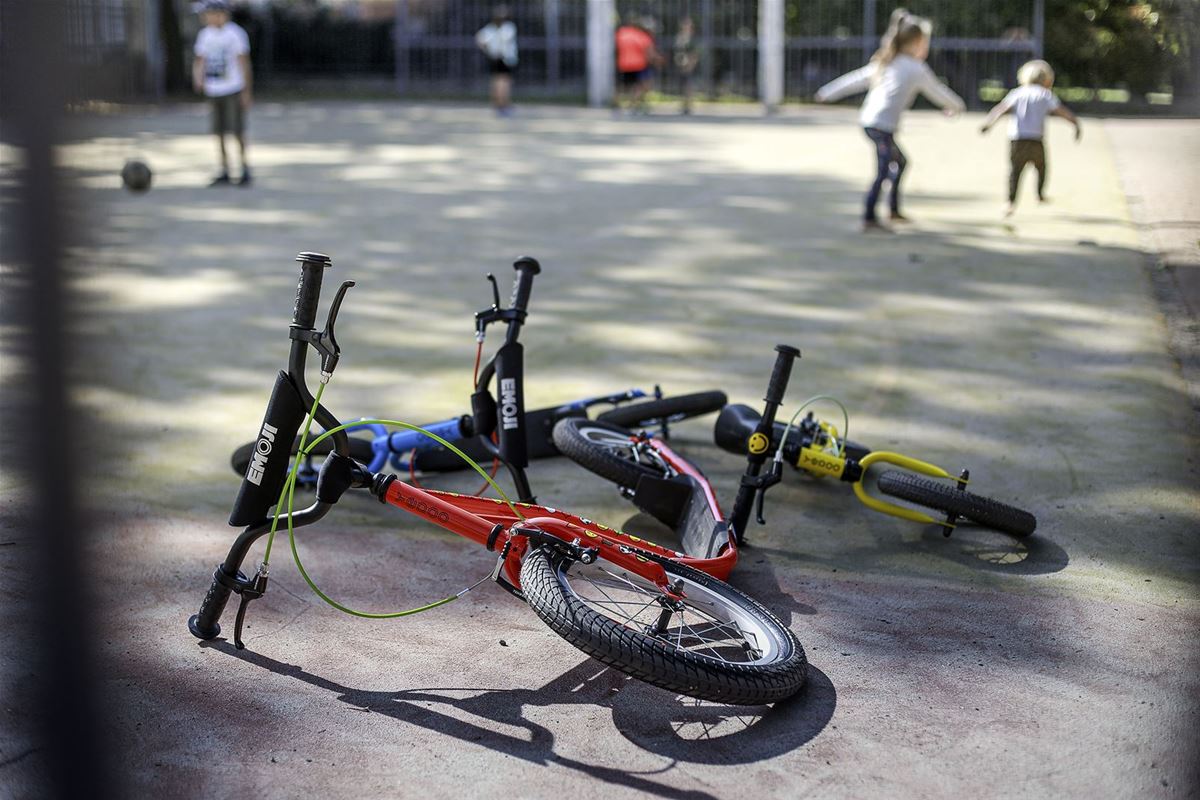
663 616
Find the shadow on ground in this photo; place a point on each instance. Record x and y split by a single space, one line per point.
678 728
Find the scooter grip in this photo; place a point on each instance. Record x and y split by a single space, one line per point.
205 624
526 268
308 290
781 373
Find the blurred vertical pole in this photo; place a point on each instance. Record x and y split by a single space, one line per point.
770 53
869 38
553 45
154 50
600 44
400 46
1039 27
34 84
709 53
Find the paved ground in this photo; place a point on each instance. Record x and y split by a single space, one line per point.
675 251
1157 161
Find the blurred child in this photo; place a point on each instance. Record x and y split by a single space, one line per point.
636 58
221 71
687 59
896 74
498 41
1029 104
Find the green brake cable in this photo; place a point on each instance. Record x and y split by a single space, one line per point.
289 489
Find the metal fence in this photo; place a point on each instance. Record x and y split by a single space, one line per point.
976 47
427 47
112 46
727 35
435 45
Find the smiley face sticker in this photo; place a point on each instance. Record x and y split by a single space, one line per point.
758 444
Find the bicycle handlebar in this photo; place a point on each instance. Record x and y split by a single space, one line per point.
780 375
759 444
526 267
308 291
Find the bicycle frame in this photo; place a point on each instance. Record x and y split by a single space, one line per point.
492 524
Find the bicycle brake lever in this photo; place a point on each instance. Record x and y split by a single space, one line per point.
489 315
495 292
252 592
330 353
768 481
325 341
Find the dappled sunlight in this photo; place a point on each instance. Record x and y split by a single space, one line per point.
1177 502
407 154
129 291
631 174
672 252
634 339
242 216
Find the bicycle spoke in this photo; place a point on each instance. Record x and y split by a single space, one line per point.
699 623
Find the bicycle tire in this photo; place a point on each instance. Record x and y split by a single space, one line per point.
776 671
947 498
360 450
648 412
599 447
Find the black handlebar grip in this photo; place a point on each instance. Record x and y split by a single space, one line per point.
206 625
526 268
308 291
782 372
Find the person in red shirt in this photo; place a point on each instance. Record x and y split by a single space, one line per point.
636 58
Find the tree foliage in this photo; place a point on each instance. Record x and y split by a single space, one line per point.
1145 46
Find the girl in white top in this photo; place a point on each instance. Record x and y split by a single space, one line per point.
896 74
1030 104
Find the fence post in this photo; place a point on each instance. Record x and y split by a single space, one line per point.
869 39
770 52
1039 26
709 61
600 32
400 45
154 51
553 45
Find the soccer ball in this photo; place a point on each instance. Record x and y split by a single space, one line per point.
136 176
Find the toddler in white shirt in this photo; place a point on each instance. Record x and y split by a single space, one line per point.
1030 104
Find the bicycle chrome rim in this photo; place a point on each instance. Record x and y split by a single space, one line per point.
707 623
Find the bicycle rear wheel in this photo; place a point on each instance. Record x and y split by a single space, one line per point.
672 409
360 450
949 499
607 450
718 644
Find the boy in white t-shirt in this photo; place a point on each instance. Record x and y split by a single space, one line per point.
221 71
1030 104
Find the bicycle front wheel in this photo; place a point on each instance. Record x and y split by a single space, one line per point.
949 499
670 409
717 644
607 450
